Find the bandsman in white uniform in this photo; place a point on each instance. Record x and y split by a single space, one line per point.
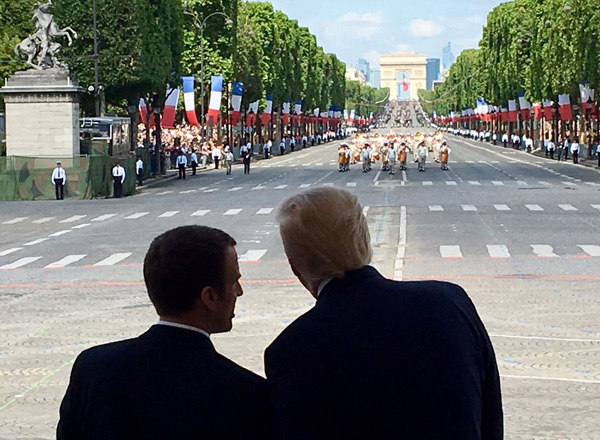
444 153
392 158
422 154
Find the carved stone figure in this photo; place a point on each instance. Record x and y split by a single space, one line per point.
42 44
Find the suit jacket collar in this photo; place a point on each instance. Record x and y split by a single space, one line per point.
349 278
178 336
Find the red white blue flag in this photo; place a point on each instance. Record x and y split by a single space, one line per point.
236 102
216 94
168 120
190 101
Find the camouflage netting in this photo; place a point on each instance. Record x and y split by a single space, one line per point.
29 178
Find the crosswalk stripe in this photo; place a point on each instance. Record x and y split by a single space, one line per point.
469 161
104 217
73 219
592 183
498 251
428 183
169 214
569 184
543 250
81 226
541 182
451 252
233 212
591 250
502 208
259 187
34 242
164 193
366 210
351 184
211 190
59 233
328 185
451 183
9 251
534 207
596 207
20 263
281 187
136 215
200 213
15 220
436 208
43 220
113 259
264 211
522 183
474 183
237 188
497 183
252 256
64 262
468 208
568 207
304 185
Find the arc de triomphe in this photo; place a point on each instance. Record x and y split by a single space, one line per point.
404 73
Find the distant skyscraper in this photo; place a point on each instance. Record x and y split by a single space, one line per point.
447 57
365 68
433 71
375 77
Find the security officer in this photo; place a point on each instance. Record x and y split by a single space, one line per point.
194 160
181 164
118 173
59 178
139 170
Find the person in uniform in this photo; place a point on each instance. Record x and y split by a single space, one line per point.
444 153
347 157
59 179
403 155
392 157
246 154
282 147
139 171
194 160
267 148
422 156
181 165
366 158
385 166
341 158
118 173
229 162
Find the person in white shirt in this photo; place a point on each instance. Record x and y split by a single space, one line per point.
529 145
194 160
292 144
282 147
495 138
392 157
181 165
118 173
598 153
59 179
505 140
551 148
575 152
566 144
216 156
229 161
365 157
267 148
139 171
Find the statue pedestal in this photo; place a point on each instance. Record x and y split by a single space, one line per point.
42 113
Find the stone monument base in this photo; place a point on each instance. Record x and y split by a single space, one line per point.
42 113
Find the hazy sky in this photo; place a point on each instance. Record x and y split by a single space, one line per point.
355 29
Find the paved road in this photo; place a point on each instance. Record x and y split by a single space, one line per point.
520 233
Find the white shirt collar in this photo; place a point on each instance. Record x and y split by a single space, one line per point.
323 285
183 326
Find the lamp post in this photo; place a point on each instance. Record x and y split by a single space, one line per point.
96 81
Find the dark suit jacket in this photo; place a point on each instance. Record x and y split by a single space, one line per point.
168 383
379 359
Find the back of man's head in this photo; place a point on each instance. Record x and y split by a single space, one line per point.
183 261
324 233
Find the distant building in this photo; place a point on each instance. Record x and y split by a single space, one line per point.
365 68
375 77
437 84
353 74
433 71
448 57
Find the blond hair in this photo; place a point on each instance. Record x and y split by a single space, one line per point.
324 233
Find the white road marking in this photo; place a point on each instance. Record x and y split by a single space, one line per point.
596 207
534 207
237 188
259 187
233 212
469 161
427 183
498 251
569 184
38 241
69 259
136 215
281 187
451 252
59 233
502 207
43 220
73 219
568 207
592 183
113 259
522 183
190 191
164 193
451 183
436 208
169 214
304 185
104 217
474 183
329 185
591 250
399 263
404 176
81 226
20 263
9 251
543 250
555 379
264 211
377 177
498 183
252 256
200 213
468 208
15 220
351 184
366 210
541 182
211 190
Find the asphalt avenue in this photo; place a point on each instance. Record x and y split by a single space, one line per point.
520 233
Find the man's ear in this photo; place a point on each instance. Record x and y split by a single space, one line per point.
209 298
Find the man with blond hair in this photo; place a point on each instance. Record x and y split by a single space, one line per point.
375 358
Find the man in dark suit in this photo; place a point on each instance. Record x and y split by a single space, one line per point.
374 359
170 383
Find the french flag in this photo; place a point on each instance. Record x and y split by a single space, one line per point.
251 116
297 112
266 116
547 104
566 113
236 102
190 102
512 111
216 93
285 119
144 113
525 108
168 120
